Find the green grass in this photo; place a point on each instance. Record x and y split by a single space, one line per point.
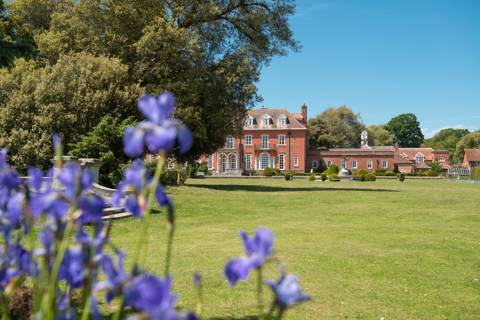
369 250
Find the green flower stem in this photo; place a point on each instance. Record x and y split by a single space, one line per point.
260 292
171 231
199 307
48 304
142 241
4 307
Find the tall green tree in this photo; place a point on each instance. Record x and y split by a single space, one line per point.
446 139
335 128
68 98
469 141
14 41
379 136
105 142
405 129
209 53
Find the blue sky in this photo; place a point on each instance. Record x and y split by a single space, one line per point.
383 58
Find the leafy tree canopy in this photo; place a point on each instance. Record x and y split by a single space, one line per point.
471 140
14 40
446 139
209 53
105 142
335 128
405 129
379 136
69 98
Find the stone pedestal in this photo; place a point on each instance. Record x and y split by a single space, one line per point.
92 164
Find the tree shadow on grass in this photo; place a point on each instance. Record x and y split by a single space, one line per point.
254 188
241 318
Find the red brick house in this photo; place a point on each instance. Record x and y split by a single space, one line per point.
471 158
407 160
277 138
272 138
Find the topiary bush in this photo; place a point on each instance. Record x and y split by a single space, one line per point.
323 176
401 177
268 172
311 177
333 169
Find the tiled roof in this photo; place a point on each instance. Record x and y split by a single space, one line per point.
374 151
258 114
412 153
421 165
398 159
472 154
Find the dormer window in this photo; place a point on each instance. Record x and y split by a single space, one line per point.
267 120
249 121
282 120
419 158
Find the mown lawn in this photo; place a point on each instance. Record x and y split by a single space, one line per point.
368 250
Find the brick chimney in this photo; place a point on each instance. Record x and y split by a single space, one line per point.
304 113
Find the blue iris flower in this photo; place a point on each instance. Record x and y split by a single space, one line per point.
287 291
257 249
137 179
116 277
158 132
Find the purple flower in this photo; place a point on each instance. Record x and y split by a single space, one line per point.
75 180
48 202
91 206
237 269
133 141
158 132
137 179
35 178
287 291
115 277
151 295
157 109
73 268
257 248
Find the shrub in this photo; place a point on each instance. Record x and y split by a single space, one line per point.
380 172
311 177
390 173
289 175
174 177
268 172
431 173
333 169
371 177
277 172
401 177
361 172
476 173
323 176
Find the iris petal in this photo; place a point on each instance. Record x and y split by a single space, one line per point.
160 138
133 142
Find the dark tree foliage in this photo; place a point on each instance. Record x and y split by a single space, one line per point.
209 53
405 129
446 139
335 128
469 141
14 42
105 142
